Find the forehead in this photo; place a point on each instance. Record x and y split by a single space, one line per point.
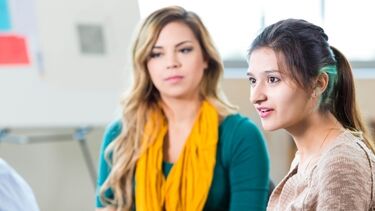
175 32
263 59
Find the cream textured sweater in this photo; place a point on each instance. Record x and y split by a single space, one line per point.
341 178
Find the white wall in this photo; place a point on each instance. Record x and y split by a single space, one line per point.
74 90
66 87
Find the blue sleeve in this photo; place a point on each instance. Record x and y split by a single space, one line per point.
111 132
248 167
15 192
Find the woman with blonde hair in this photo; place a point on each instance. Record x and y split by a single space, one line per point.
180 145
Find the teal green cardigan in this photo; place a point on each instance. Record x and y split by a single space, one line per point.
241 174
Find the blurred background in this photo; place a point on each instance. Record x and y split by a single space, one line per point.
65 64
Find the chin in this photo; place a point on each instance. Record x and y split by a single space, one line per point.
270 127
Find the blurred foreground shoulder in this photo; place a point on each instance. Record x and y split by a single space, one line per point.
15 193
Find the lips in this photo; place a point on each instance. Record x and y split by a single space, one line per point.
174 79
264 112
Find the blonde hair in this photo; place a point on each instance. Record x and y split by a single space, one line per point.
123 153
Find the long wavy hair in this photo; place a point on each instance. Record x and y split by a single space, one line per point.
303 51
122 154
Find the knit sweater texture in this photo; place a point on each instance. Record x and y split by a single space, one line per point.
341 178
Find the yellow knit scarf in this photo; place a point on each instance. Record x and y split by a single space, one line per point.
188 183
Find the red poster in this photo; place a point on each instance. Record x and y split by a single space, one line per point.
13 50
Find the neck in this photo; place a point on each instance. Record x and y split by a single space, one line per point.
180 111
313 134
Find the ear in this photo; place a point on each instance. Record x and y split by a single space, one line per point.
321 84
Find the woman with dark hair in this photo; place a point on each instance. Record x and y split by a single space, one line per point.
302 84
180 145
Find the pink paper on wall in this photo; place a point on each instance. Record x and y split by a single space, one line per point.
13 50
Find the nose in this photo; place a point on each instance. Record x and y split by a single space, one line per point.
173 61
257 94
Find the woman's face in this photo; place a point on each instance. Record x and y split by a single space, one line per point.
176 64
280 102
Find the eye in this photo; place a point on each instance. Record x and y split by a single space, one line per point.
252 81
273 79
155 55
186 50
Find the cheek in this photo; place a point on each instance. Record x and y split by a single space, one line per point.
297 104
198 72
287 101
205 65
152 71
199 63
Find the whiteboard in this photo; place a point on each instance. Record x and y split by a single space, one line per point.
63 86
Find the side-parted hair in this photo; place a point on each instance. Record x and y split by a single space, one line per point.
303 52
123 153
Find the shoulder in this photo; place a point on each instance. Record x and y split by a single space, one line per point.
240 135
347 154
15 193
7 173
4 168
238 123
346 162
9 176
114 128
112 131
238 129
345 173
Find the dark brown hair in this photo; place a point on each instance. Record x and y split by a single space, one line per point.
303 50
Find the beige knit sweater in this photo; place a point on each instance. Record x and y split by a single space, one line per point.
342 178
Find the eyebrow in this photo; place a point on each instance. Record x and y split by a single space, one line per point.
177 45
265 72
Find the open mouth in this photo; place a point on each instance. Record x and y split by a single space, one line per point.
264 112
